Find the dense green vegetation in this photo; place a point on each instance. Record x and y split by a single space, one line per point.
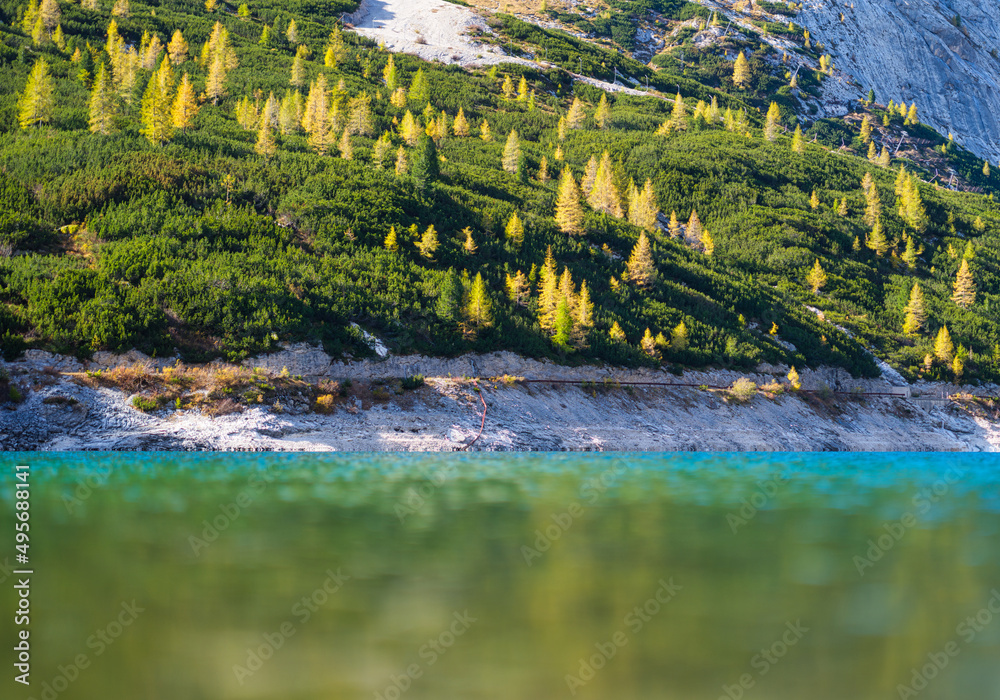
225 241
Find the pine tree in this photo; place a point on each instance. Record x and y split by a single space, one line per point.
816 279
512 153
641 270
866 129
461 125
426 165
679 340
877 240
428 243
514 232
359 115
185 105
569 212
674 227
402 164
290 112
177 49
345 146
298 77
911 206
420 89
102 103
693 230
36 104
576 116
916 314
548 292
316 116
741 71
390 76
616 333
265 36
563 324
603 114
678 113
944 349
707 243
265 145
604 196
644 212
771 122
335 49
156 105
873 205
469 246
478 309
911 254
798 145
964 293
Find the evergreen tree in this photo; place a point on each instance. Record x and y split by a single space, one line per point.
964 293
643 211
469 246
512 153
36 104
265 36
873 205
548 292
515 232
771 122
798 144
569 212
102 103
402 164
390 76
816 279
741 72
604 195
177 49
641 270
335 49
944 350
678 113
674 227
345 146
616 333
185 105
298 77
156 105
420 89
866 129
391 240
911 206
576 116
916 314
603 114
563 324
679 337
478 309
877 240
359 115
408 129
911 254
461 125
693 230
428 243
316 116
265 145
426 167
290 112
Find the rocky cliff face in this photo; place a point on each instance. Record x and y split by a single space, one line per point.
945 54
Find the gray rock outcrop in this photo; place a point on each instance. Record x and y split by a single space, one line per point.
941 54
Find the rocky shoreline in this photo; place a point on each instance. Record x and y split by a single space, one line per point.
614 411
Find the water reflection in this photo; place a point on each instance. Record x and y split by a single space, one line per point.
513 576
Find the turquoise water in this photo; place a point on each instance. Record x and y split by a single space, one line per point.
509 576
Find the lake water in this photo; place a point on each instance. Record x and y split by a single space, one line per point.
483 576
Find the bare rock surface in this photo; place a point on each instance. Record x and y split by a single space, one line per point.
939 54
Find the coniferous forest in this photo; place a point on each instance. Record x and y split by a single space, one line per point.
214 179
